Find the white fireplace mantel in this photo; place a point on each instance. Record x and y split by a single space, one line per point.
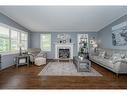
63 46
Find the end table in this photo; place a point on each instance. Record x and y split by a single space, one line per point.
22 60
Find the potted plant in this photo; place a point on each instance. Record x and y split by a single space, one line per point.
85 45
81 53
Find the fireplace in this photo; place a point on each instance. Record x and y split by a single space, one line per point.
64 53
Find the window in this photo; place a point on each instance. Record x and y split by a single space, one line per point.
24 40
4 39
10 38
46 42
14 40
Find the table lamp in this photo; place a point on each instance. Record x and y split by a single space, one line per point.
20 49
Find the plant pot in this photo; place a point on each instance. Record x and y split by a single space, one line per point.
81 58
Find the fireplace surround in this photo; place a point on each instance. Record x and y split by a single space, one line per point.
64 51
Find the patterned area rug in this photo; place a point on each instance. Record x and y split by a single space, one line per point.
65 69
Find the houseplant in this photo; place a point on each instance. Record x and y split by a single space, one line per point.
81 53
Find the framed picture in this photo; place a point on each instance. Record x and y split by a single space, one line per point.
119 34
119 38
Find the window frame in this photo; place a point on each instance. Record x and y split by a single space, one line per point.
18 39
10 39
24 40
7 38
41 42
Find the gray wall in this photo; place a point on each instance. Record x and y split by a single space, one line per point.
105 35
35 41
8 59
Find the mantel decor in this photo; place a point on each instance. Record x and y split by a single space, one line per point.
63 38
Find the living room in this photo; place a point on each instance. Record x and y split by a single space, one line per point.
63 47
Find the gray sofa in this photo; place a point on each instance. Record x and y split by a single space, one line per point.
114 60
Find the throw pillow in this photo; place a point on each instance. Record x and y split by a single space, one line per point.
122 55
107 57
116 56
102 54
40 54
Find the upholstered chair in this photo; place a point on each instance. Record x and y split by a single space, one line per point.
37 56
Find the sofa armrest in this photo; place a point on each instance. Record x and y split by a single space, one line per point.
120 66
32 57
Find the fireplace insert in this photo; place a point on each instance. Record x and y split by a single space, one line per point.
64 53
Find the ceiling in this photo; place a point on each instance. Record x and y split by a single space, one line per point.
64 18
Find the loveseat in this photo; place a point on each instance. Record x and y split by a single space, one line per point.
114 60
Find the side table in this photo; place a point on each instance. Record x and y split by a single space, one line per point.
22 60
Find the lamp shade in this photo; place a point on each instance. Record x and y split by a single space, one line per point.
95 45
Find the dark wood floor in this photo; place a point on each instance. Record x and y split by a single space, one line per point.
26 78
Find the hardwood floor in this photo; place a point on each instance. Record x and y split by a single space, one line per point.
26 78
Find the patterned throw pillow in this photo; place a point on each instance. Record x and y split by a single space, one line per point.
102 54
107 57
122 55
116 56
40 54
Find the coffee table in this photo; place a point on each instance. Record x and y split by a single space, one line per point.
82 65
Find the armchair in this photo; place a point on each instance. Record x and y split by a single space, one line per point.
37 56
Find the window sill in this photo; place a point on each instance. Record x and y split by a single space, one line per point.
9 53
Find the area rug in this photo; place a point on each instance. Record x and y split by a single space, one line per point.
65 69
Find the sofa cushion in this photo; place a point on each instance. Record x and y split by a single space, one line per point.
96 57
106 62
110 63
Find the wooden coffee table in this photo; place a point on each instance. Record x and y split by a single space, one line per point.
82 65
